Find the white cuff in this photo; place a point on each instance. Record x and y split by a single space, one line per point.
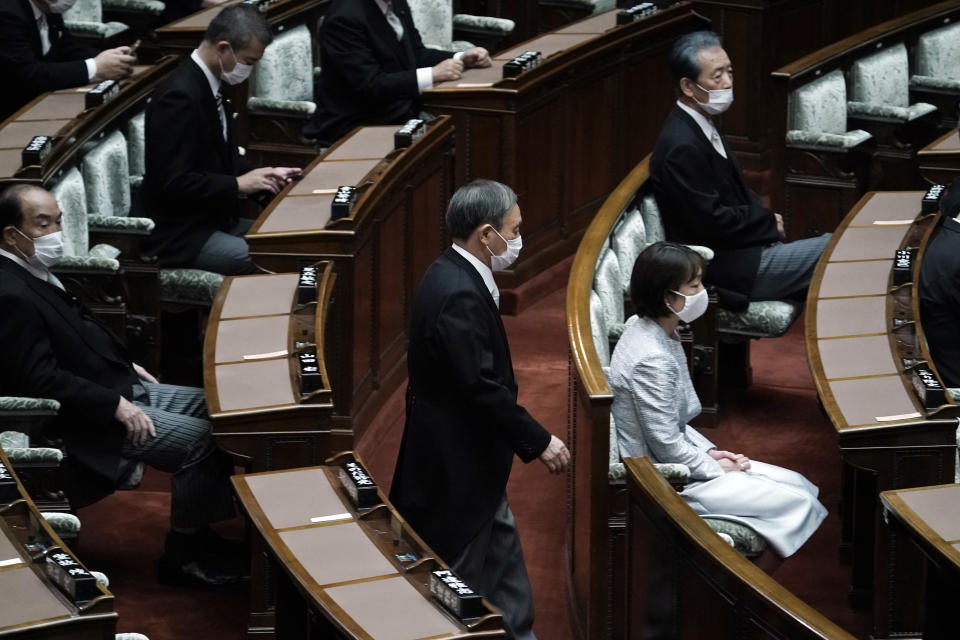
425 78
458 55
91 68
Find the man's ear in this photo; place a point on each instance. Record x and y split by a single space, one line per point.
687 87
486 233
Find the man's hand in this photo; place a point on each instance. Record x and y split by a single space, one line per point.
730 461
447 70
476 57
143 374
139 425
780 230
114 64
555 456
270 179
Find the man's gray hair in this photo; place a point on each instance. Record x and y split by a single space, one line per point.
239 24
477 203
683 56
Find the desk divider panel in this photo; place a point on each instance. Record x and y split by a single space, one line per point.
298 214
254 385
337 552
240 339
851 316
26 599
938 507
366 143
328 175
293 498
260 295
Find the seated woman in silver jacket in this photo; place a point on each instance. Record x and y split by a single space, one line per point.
654 399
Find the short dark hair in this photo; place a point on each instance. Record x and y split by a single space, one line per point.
477 203
683 56
238 24
950 200
11 205
660 268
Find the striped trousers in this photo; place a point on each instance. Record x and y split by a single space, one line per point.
786 269
200 486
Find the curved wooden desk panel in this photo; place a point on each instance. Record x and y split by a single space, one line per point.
341 563
564 132
864 337
940 160
685 582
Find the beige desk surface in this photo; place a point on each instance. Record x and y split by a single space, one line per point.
10 162
251 336
948 142
547 44
932 513
898 206
392 609
330 175
260 295
366 143
596 24
9 551
251 385
55 106
856 356
27 599
336 553
841 279
869 243
17 134
864 400
292 498
304 213
484 77
851 316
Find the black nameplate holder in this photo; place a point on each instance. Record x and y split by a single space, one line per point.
928 388
343 201
309 369
358 484
903 266
524 62
635 12
71 578
931 199
101 94
9 491
36 151
455 595
409 133
307 285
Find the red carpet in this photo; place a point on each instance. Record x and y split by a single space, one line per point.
777 421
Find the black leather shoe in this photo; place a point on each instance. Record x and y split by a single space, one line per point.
193 572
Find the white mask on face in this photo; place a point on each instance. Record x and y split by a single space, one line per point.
47 250
508 257
60 6
238 74
719 100
694 306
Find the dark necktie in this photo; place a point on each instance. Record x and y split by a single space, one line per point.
222 114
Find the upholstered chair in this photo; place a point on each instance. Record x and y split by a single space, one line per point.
70 194
599 329
439 26
85 20
818 115
283 79
938 60
135 133
880 88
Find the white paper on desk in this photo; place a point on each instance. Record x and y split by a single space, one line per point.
323 192
265 356
475 84
902 416
336 516
892 223
7 563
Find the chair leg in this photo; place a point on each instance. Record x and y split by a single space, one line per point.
735 369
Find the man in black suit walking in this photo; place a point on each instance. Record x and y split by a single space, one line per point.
703 197
194 175
38 55
112 412
463 422
939 290
374 67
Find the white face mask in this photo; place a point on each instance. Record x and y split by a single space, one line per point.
60 6
47 250
508 257
238 74
719 100
694 306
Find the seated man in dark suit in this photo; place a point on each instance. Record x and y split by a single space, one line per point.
194 175
703 197
38 55
939 290
112 412
374 68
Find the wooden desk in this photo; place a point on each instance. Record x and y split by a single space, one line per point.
61 114
863 338
940 160
564 133
930 518
686 583
379 252
339 563
32 606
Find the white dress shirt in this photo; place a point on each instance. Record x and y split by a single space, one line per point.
44 30
707 126
43 274
484 271
214 88
424 74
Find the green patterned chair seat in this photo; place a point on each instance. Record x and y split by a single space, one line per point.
149 7
283 82
15 404
485 24
955 394
101 579
745 539
189 286
118 223
85 18
880 87
764 319
130 636
33 455
86 264
13 440
65 525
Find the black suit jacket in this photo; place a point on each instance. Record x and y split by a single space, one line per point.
939 295
52 346
463 421
368 77
704 200
190 186
23 67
